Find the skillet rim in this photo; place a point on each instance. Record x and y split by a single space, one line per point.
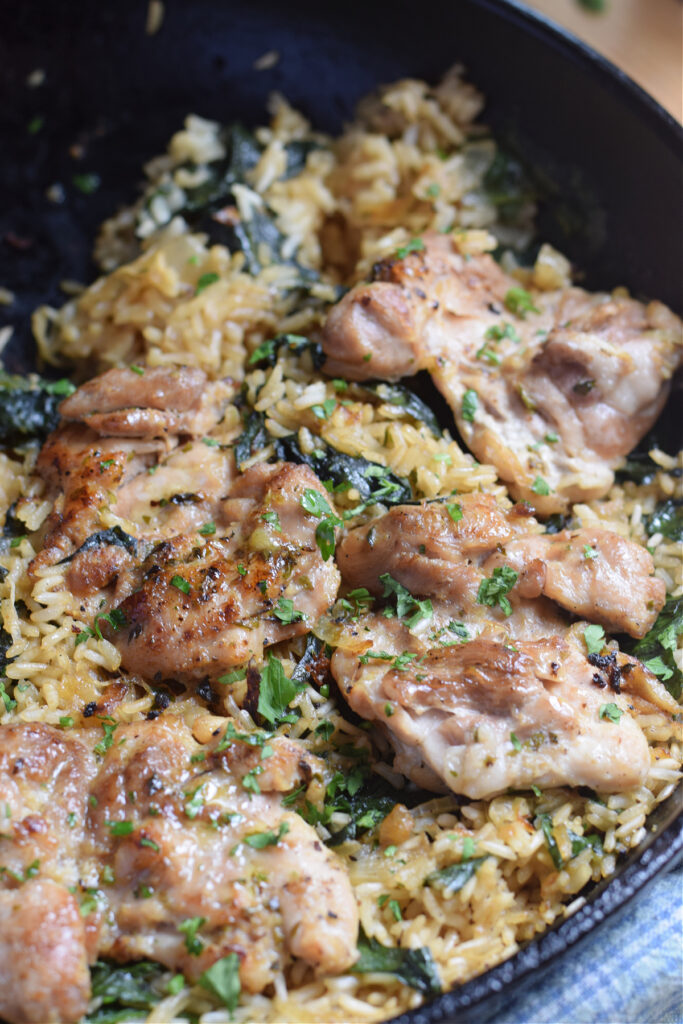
482 996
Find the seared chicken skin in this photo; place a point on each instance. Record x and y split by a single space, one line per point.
163 830
117 428
552 388
445 551
201 608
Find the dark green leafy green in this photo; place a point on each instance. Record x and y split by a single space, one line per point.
656 649
414 967
507 187
408 608
454 877
123 988
311 655
373 482
405 399
546 823
268 351
253 437
366 798
580 843
639 467
28 407
115 537
666 519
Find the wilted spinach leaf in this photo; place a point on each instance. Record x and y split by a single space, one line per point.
372 481
28 410
404 398
453 878
253 437
115 537
639 467
368 799
556 522
123 987
297 154
266 354
414 967
666 519
310 656
507 186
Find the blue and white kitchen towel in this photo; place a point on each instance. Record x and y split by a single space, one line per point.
630 972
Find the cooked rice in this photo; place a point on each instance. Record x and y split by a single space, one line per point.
414 159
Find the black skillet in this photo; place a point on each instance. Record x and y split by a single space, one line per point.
607 160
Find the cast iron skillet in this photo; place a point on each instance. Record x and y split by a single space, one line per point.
606 157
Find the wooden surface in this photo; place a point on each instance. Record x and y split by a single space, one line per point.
644 37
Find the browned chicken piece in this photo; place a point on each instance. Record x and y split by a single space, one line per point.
446 551
430 550
203 607
44 974
553 388
44 780
83 471
155 402
593 573
484 716
110 463
206 839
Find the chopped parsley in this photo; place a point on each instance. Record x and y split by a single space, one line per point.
259 840
492 591
314 503
520 302
506 330
273 519
540 486
180 583
207 529
120 828
204 281
408 608
612 712
589 552
414 245
276 691
189 928
286 611
470 403
455 512
222 980
324 411
595 639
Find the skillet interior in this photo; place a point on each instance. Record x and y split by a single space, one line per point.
607 159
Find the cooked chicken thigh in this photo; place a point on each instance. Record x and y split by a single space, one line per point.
448 551
106 463
487 715
156 830
552 388
200 608
152 402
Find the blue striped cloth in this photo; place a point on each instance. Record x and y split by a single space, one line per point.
630 972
